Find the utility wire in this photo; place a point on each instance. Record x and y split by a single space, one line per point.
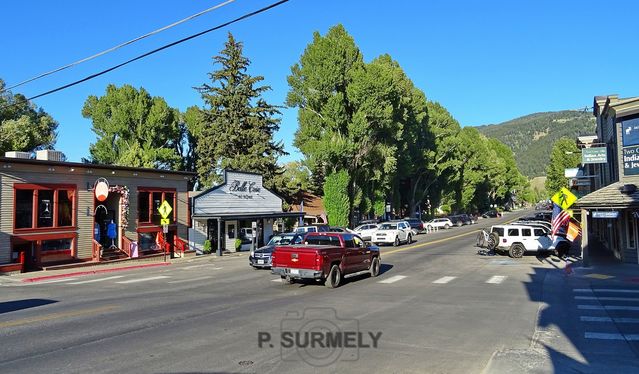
118 46
248 15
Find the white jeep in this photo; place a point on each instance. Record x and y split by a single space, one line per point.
395 232
517 239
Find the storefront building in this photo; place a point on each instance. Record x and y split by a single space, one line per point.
56 212
239 208
610 214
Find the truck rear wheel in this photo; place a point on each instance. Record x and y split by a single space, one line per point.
374 270
334 277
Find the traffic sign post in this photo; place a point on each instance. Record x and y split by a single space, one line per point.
165 209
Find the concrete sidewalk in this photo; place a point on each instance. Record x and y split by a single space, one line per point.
560 342
109 267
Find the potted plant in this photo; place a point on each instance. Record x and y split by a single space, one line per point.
238 244
207 247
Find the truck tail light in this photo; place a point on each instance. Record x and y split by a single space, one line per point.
503 240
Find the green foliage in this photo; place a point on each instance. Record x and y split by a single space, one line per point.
238 244
235 127
24 127
336 200
294 179
207 246
565 154
369 124
531 137
133 129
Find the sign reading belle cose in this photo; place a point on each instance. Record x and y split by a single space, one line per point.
246 186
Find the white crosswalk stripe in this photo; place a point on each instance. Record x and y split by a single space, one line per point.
393 279
606 298
621 324
611 336
98 280
608 307
612 290
608 319
143 279
496 279
444 280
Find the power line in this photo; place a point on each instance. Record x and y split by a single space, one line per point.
118 46
248 15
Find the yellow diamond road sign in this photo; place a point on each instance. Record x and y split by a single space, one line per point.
564 198
165 209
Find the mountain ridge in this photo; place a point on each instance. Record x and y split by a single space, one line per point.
532 136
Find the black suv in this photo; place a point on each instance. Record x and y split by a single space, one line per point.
415 224
460 220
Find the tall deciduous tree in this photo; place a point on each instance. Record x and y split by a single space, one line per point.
133 129
23 126
565 154
237 124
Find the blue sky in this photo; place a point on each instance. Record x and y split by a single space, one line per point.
486 61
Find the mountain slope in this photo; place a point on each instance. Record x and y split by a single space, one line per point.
531 137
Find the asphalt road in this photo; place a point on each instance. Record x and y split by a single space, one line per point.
439 306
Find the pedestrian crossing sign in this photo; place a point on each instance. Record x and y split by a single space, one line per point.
165 209
564 198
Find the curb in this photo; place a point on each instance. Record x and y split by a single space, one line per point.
91 272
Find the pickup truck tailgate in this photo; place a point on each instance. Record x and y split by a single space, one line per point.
297 257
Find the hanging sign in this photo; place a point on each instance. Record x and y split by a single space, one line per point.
101 189
595 155
605 214
631 160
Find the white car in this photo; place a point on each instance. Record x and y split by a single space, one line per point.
366 231
519 239
394 232
439 223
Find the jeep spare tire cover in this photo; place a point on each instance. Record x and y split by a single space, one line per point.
493 240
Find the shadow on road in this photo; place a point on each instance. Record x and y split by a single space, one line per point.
12 306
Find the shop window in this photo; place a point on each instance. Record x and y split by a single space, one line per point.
630 230
24 209
157 200
65 207
57 244
149 201
147 241
143 207
169 197
43 206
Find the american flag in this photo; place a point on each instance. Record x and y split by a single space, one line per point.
559 220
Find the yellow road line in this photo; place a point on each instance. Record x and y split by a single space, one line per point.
428 243
47 317
441 240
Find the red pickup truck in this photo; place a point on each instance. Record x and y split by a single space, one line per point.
327 257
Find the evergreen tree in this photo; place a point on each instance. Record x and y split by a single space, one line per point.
565 154
237 124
